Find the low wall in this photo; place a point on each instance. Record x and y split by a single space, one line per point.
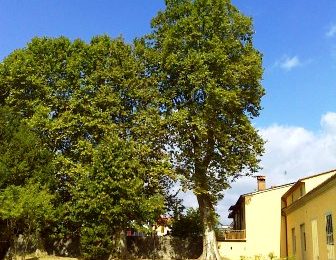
232 250
138 247
164 247
238 250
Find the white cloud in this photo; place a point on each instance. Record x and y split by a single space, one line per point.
294 152
291 152
328 123
332 31
289 63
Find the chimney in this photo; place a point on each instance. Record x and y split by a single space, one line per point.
261 182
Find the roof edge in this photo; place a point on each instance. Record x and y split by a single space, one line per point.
268 189
316 175
319 189
300 181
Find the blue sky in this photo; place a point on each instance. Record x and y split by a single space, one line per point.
295 32
299 33
297 39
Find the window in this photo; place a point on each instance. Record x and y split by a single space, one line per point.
329 230
293 241
302 190
303 238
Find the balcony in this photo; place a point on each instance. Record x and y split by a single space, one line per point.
231 235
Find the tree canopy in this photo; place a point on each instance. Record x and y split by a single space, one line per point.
114 122
92 107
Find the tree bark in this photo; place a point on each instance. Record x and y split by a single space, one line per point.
210 247
119 246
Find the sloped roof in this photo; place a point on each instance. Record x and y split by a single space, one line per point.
300 181
293 184
241 197
272 188
327 184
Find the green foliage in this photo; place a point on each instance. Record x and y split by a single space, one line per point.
187 225
210 75
210 86
24 164
25 204
96 241
118 191
29 205
94 107
97 120
22 155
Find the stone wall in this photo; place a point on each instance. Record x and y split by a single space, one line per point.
164 247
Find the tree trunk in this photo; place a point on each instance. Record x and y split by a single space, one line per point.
210 248
119 246
5 237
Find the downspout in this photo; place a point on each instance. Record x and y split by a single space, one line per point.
285 216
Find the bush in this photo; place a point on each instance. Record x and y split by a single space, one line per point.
187 225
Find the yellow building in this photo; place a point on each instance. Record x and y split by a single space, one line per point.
292 220
309 212
256 227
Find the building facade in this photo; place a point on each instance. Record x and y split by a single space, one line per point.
293 220
256 227
309 212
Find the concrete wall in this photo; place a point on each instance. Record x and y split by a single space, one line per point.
283 238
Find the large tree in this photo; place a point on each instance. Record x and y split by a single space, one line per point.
75 96
209 78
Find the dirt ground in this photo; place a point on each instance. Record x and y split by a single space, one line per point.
45 257
56 258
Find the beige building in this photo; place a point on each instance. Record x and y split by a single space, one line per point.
309 212
289 220
256 227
